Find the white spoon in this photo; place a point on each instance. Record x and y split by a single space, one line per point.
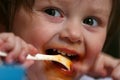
58 58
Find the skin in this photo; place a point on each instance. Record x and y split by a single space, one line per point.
106 65
68 30
17 49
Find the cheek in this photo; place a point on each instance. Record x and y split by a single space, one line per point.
94 47
43 32
41 35
38 37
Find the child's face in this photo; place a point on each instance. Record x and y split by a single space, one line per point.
75 28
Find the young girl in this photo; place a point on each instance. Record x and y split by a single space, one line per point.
74 28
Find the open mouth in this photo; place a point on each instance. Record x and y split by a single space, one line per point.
71 56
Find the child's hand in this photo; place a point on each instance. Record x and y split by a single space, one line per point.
16 48
106 66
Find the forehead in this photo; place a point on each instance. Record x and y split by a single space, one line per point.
79 2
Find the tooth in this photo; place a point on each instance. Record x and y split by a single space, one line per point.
58 51
63 53
54 49
69 54
72 54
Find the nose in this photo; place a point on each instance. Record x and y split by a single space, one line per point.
72 32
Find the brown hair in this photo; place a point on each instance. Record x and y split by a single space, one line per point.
3 13
114 18
14 5
114 24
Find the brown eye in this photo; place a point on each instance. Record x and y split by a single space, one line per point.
90 21
52 12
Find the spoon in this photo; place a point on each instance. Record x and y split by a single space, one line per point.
58 58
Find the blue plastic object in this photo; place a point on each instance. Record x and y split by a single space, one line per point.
12 72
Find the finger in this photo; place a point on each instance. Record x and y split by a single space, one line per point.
111 62
28 49
99 66
7 42
13 54
97 70
4 36
116 73
110 65
27 63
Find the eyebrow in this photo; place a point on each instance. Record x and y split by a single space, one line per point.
102 13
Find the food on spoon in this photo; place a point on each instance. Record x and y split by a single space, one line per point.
58 58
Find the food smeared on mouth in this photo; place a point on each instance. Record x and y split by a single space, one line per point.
71 56
61 58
